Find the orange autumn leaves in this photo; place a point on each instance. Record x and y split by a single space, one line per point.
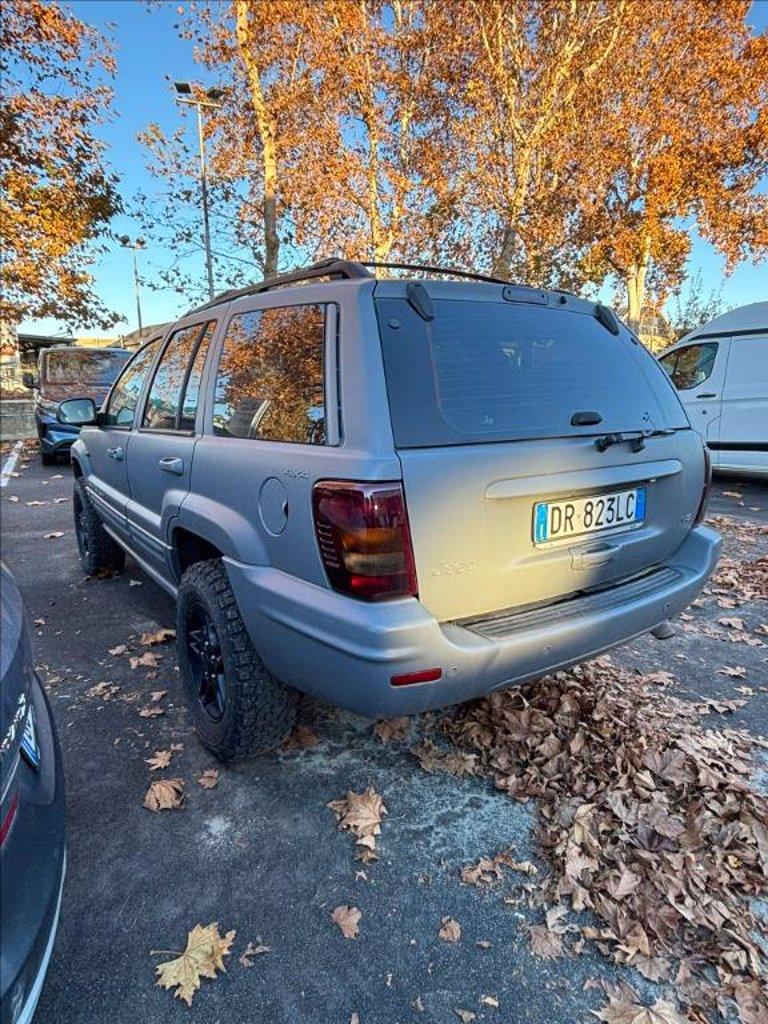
558 143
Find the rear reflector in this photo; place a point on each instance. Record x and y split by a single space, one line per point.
702 509
364 539
429 675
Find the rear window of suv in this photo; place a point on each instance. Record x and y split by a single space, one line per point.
484 371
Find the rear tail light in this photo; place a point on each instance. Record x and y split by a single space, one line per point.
702 510
8 817
364 539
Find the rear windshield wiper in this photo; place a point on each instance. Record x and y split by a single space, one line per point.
636 441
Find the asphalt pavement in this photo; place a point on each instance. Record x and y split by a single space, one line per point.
260 853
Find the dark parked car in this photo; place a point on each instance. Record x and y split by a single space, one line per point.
32 832
66 371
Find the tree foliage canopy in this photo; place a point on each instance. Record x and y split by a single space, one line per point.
56 195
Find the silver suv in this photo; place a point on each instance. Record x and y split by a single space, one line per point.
393 494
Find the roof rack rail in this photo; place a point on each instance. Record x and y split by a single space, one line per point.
332 267
428 268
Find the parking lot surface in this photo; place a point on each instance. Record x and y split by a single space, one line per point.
260 852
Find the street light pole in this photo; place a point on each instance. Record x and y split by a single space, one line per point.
204 190
186 96
138 243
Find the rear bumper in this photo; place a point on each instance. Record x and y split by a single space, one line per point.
346 651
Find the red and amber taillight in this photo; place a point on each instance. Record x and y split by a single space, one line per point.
364 539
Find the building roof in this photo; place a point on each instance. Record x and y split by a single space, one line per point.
744 319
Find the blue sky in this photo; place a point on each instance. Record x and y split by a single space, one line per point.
147 49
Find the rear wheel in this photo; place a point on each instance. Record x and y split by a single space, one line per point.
98 551
239 708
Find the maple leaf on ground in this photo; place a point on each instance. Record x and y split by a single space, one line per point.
151 712
160 759
361 813
347 918
202 958
734 671
159 637
157 695
450 930
147 659
302 737
164 795
622 1012
120 649
54 535
732 623
545 943
103 690
392 728
209 778
465 1016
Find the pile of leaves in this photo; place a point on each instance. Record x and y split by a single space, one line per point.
648 821
741 581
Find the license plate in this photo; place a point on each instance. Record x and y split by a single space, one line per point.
553 520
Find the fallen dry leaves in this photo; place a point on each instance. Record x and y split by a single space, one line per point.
159 637
209 779
202 958
250 951
622 1012
164 795
302 737
489 869
347 918
361 813
160 759
148 660
392 728
649 822
450 930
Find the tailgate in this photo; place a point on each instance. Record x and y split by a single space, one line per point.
471 513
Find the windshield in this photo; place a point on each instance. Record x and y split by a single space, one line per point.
484 371
85 367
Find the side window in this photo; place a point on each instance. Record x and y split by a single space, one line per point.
192 390
167 407
270 382
121 405
693 364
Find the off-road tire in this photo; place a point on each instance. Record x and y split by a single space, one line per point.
98 551
259 710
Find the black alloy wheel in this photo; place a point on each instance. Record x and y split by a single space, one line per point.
206 661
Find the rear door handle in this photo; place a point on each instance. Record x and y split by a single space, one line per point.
171 465
116 453
707 394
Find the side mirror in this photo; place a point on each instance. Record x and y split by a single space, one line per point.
30 380
77 412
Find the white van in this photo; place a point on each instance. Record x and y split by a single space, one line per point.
721 372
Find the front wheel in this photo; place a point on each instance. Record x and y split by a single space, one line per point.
47 458
238 706
98 551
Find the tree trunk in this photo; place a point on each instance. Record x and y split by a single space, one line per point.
635 284
267 132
